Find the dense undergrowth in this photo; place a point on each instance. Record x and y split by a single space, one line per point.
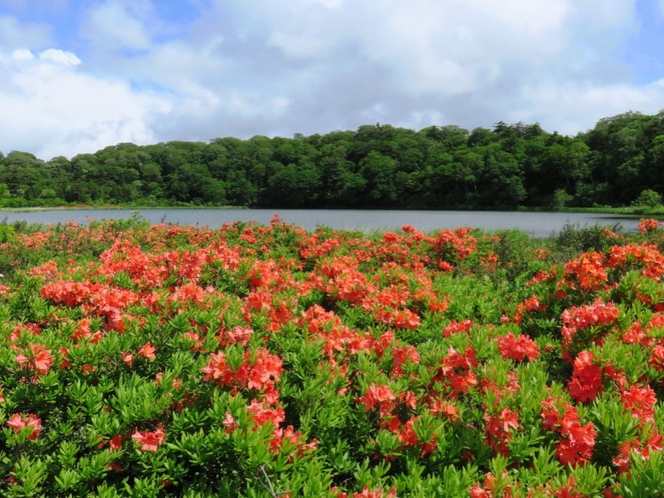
141 360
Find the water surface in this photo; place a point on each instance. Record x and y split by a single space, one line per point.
536 224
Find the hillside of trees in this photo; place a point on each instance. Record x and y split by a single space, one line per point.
377 166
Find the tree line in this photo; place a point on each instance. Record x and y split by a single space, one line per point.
376 166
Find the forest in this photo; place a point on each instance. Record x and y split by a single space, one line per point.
376 166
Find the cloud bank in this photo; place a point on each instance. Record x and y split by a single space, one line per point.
134 71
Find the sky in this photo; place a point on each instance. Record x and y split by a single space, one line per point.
77 76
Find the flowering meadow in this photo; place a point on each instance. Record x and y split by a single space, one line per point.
268 361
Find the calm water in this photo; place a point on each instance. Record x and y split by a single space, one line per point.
536 224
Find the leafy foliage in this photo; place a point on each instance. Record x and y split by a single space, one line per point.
269 361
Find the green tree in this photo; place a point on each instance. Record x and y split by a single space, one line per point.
379 172
560 198
648 198
194 183
4 191
294 187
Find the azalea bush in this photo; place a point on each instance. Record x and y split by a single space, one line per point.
252 360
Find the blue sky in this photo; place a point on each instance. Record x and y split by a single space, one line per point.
79 75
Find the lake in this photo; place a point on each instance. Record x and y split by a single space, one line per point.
535 224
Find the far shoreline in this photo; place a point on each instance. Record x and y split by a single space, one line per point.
79 207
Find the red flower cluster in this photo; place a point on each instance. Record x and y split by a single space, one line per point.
578 441
38 359
455 373
17 422
455 327
96 299
654 443
657 358
455 246
258 371
584 318
641 401
648 225
380 397
588 271
645 256
587 378
499 430
390 411
530 305
150 441
338 337
517 348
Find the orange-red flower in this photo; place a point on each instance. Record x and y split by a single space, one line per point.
147 351
377 396
517 348
150 441
17 422
587 379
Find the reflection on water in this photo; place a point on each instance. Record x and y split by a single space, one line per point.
536 224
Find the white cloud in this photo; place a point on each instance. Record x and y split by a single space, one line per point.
471 62
22 54
60 57
55 110
444 49
112 25
573 107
